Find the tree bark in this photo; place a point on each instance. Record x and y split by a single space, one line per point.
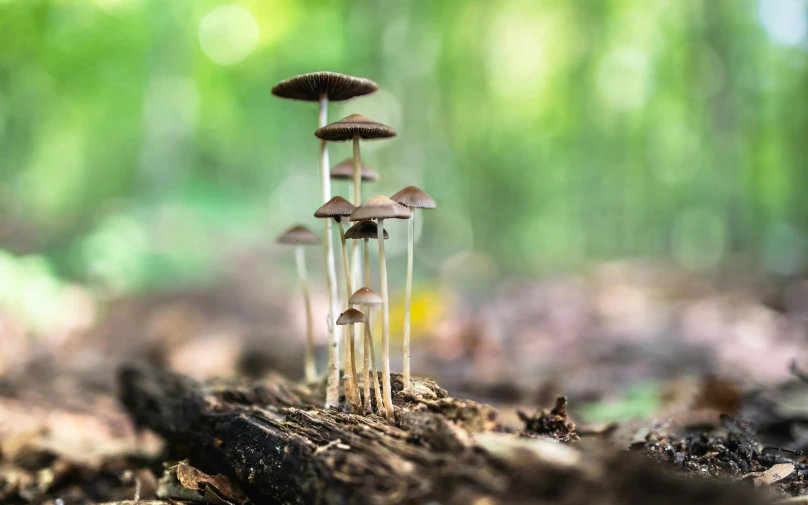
273 440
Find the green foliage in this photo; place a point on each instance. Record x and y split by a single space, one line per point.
557 132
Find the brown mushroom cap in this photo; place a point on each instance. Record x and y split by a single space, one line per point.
298 235
337 208
365 296
355 125
364 229
414 198
380 207
333 85
351 316
344 170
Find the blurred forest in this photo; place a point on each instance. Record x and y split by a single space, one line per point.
141 146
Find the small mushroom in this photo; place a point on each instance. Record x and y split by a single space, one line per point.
412 198
368 297
380 208
367 230
300 236
322 87
336 209
351 316
355 127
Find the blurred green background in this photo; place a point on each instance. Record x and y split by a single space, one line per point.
140 145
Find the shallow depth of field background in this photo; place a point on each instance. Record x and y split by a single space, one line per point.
141 150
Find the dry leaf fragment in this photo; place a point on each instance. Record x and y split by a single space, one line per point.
774 474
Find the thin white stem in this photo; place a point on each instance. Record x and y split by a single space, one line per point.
408 301
377 389
332 389
356 190
366 359
303 275
351 390
387 393
369 340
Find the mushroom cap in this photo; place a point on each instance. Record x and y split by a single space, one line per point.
335 86
344 170
414 198
380 207
365 296
364 229
337 207
355 125
298 235
351 316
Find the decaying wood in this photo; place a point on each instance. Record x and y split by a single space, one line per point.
272 440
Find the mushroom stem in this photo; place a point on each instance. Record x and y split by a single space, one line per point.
387 394
303 276
332 389
351 389
369 343
356 188
408 301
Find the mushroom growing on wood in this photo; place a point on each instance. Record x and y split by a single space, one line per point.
412 198
323 87
380 208
300 236
355 127
336 209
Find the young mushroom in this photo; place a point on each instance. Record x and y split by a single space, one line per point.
336 209
355 127
380 208
323 87
368 297
412 198
300 236
349 317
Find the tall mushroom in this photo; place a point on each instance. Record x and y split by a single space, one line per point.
323 87
412 198
367 230
300 236
336 209
355 127
380 208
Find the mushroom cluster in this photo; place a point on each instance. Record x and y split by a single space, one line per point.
369 216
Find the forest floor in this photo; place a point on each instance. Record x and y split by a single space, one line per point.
99 419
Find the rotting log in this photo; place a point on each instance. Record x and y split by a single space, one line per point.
274 442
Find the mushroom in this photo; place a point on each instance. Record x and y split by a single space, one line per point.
349 317
321 87
336 209
380 208
299 236
412 198
344 171
368 297
367 230
355 127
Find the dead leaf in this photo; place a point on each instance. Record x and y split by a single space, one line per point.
215 489
774 474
